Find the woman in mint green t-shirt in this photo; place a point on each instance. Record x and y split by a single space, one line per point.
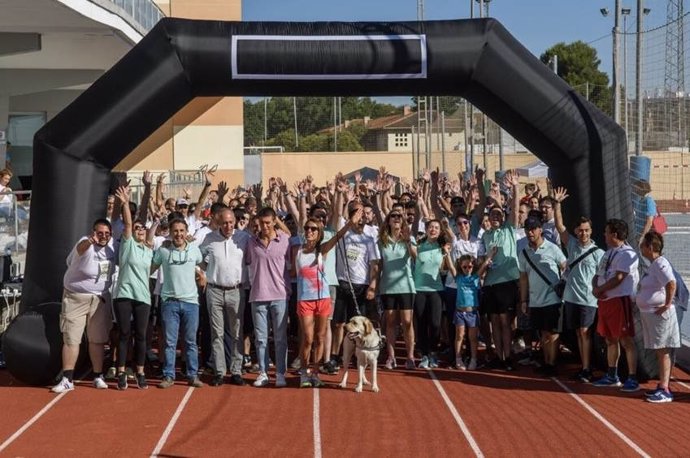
396 285
132 298
432 257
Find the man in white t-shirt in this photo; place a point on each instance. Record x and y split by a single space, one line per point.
357 269
86 303
614 287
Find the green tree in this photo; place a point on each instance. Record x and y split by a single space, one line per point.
578 65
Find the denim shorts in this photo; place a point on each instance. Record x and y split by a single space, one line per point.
466 319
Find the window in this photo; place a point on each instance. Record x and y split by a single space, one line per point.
401 140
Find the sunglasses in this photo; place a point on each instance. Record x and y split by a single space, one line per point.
103 234
396 215
182 206
463 222
139 227
311 229
321 215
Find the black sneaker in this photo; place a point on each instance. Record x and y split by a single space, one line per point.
585 376
122 381
237 380
329 368
141 381
508 365
217 380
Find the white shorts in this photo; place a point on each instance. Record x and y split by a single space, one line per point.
660 331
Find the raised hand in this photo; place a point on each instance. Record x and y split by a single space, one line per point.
222 189
160 178
511 178
560 194
146 178
122 193
357 216
479 175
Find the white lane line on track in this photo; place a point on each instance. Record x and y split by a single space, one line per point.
458 419
171 424
601 418
36 417
317 425
33 420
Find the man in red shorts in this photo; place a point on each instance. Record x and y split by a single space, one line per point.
613 286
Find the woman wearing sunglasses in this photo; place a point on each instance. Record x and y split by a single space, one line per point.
132 295
396 284
313 297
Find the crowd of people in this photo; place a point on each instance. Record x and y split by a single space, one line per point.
450 266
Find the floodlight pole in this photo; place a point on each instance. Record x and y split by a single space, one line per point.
638 77
616 65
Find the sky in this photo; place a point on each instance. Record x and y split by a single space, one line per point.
538 24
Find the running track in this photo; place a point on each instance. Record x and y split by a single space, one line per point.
417 413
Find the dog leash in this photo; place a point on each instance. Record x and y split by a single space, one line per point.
343 253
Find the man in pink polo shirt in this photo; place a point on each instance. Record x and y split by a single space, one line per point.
268 257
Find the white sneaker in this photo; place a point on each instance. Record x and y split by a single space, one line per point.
473 365
99 383
261 380
459 364
280 381
63 386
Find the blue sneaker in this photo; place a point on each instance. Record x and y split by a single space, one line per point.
424 363
630 386
433 361
650 393
608 381
661 396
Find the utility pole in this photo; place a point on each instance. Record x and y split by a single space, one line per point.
638 78
616 65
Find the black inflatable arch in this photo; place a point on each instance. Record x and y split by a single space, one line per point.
182 59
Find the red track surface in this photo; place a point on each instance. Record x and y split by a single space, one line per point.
513 414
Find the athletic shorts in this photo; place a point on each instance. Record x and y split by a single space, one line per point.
616 318
547 318
316 307
579 316
88 311
404 301
466 319
345 304
660 331
499 298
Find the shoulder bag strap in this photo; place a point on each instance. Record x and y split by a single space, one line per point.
535 268
581 257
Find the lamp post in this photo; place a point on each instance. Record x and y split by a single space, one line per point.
641 12
616 64
625 12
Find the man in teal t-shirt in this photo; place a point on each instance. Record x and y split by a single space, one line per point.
179 261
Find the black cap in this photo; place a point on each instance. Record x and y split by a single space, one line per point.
532 223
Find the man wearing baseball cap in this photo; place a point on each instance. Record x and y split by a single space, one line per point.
541 263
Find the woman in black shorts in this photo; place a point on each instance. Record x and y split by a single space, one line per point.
396 285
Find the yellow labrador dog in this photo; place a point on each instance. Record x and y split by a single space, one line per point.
363 339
